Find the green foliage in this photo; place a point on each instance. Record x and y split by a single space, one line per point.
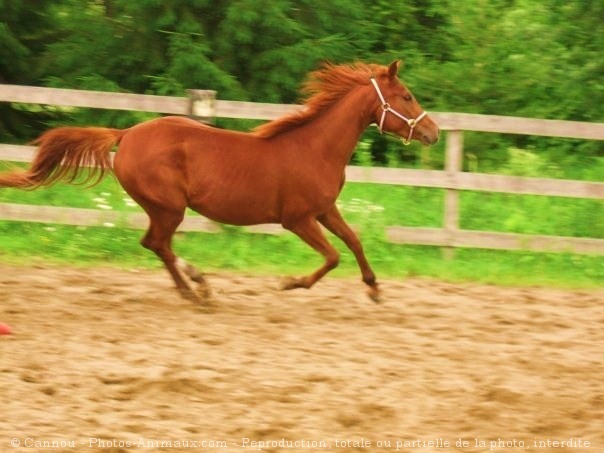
504 57
25 28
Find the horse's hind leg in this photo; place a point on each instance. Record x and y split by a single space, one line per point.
158 238
203 289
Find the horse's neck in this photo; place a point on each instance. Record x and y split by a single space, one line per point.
332 136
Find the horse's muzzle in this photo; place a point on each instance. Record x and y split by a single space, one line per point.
429 137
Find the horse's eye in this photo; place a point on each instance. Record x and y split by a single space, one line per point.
407 97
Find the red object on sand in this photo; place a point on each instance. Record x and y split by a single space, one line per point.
5 329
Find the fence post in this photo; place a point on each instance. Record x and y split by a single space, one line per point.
453 165
202 105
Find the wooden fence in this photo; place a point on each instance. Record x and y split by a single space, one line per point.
452 179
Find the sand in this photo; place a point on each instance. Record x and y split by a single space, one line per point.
113 360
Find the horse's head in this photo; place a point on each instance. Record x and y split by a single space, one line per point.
398 112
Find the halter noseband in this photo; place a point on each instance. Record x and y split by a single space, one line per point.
411 122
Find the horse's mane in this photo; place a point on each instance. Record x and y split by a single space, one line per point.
323 88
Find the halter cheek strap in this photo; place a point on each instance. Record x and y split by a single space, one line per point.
411 122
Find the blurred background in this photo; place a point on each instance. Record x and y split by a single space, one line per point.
502 57
499 57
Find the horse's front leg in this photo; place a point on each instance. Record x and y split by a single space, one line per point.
310 232
333 221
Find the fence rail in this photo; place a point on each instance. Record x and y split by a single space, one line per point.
452 179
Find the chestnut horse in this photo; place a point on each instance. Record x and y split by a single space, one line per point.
288 171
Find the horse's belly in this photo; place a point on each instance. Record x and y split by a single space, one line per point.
236 211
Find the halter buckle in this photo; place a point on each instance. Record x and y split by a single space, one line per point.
385 107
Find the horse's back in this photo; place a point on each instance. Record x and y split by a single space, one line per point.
146 142
165 128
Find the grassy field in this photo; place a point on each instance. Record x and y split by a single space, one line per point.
369 207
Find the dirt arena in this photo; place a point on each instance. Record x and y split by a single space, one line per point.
113 361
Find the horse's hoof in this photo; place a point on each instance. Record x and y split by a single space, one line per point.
287 283
204 292
374 294
191 296
292 283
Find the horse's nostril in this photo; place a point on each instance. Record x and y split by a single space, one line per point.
430 139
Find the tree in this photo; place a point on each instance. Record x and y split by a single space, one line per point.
25 27
504 57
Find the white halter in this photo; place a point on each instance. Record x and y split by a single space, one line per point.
411 122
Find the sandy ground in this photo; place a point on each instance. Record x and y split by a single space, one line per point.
113 361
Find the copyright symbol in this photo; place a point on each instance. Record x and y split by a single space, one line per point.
15 442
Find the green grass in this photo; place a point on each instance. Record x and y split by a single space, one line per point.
26 243
370 207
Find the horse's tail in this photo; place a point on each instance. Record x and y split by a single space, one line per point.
67 153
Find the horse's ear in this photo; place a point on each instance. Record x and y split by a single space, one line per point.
393 68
